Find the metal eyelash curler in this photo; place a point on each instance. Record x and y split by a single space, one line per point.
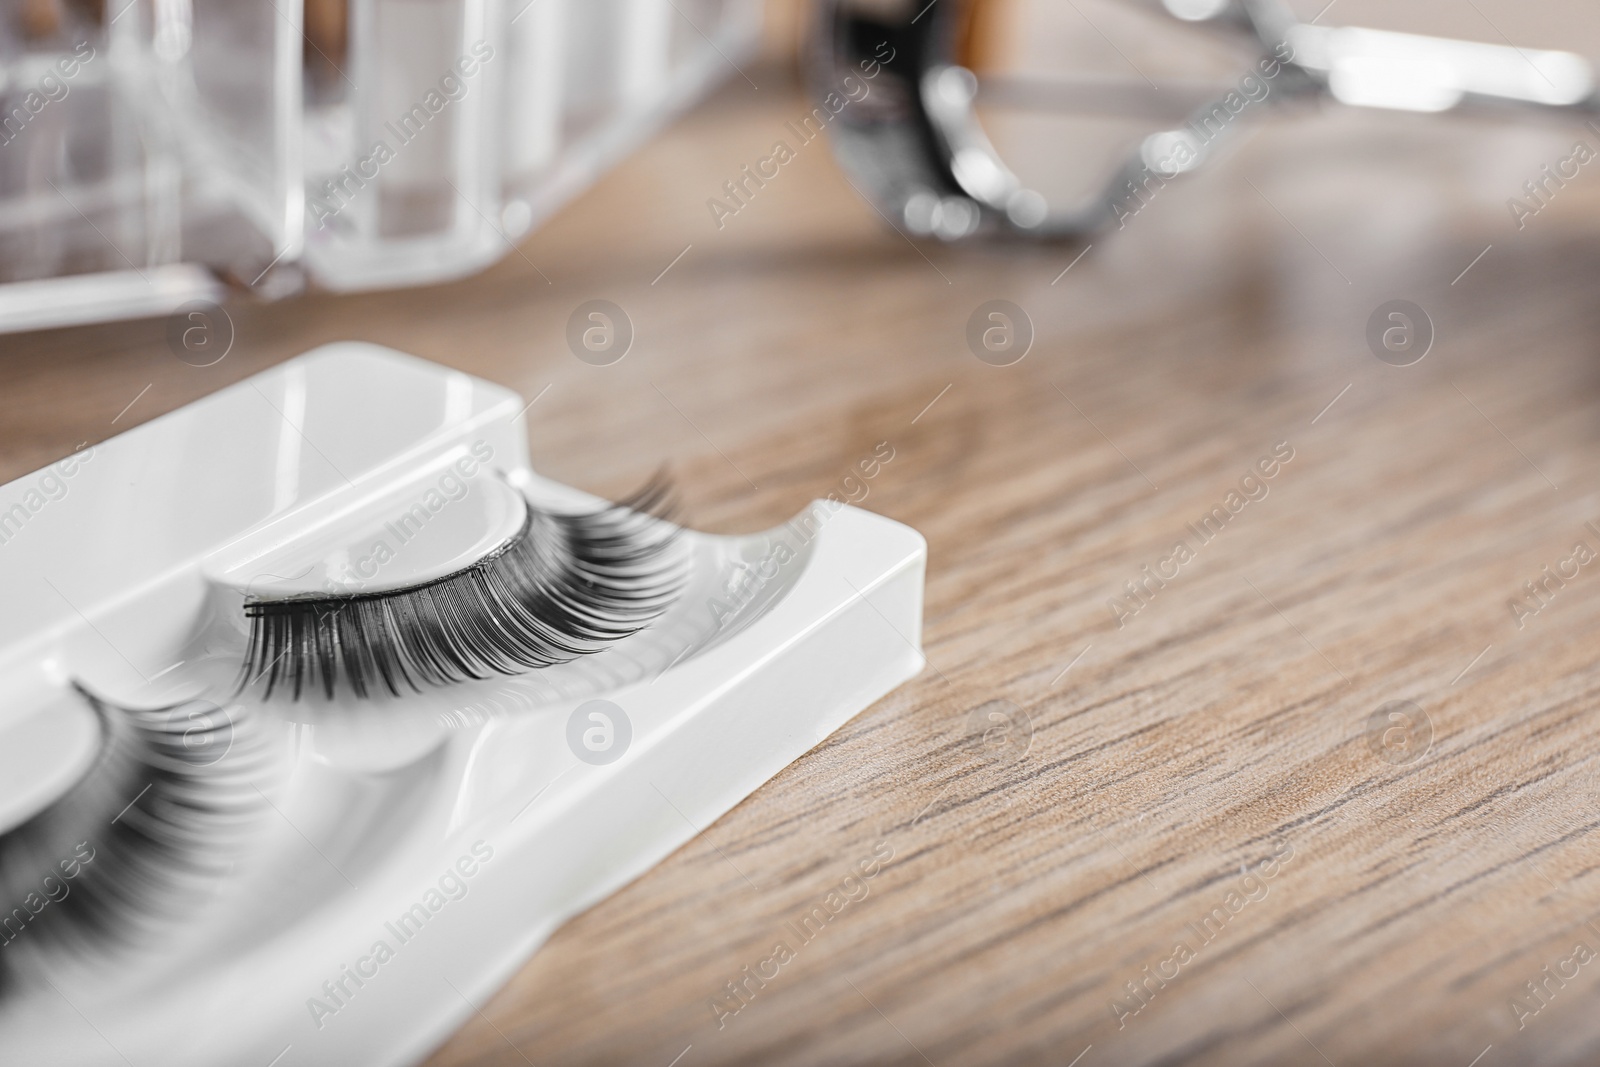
916 146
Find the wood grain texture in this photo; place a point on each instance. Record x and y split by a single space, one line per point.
1414 893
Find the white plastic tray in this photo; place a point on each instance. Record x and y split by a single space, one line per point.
104 583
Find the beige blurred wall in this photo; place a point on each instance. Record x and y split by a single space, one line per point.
785 28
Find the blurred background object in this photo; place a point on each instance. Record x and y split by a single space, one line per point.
158 152
155 150
963 91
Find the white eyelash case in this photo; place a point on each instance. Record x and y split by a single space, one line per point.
323 710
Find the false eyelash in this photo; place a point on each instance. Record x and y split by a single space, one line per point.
565 586
158 817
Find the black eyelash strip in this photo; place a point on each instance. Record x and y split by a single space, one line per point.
566 585
159 816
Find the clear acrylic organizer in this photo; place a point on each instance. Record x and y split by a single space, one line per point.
157 152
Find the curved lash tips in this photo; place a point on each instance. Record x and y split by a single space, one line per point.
155 822
564 586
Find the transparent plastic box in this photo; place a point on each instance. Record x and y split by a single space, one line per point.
156 152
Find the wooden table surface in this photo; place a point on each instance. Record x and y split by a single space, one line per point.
1202 772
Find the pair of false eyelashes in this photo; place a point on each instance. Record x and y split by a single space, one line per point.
171 797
